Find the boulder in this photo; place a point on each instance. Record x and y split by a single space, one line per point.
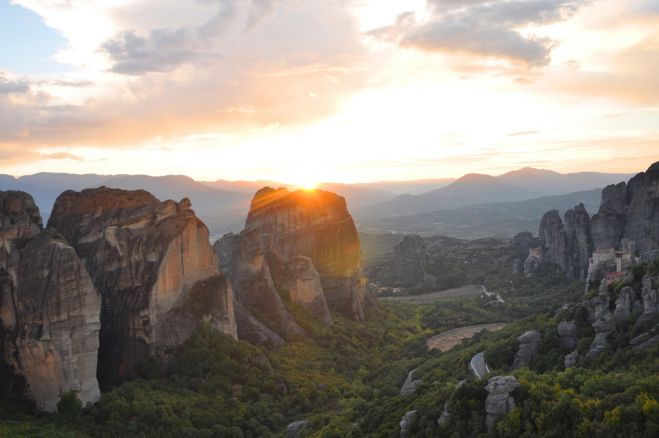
499 401
567 333
407 423
528 348
570 360
410 385
294 429
604 326
624 304
154 267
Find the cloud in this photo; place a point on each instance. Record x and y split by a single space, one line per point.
482 28
12 86
164 49
245 67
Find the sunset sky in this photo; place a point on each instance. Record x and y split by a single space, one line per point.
328 90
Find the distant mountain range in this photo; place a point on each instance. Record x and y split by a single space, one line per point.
473 188
500 219
223 204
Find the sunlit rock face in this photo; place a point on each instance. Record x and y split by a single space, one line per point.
154 267
297 248
49 311
314 224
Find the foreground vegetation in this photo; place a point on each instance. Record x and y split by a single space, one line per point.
346 380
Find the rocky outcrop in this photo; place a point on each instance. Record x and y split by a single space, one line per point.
294 429
567 335
579 244
154 268
411 384
552 236
499 401
568 245
604 326
407 268
650 301
624 304
407 423
315 224
570 360
528 348
298 248
49 311
628 218
608 225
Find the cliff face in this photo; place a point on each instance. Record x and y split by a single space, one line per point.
300 248
408 265
154 268
49 311
317 225
628 218
568 244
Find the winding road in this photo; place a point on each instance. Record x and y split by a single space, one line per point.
478 365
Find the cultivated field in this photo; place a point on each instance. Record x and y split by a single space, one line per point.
449 339
448 294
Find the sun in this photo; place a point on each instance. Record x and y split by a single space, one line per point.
307 184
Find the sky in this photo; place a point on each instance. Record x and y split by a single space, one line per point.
302 91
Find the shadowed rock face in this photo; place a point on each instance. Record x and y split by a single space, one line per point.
568 245
49 311
628 218
317 225
408 266
154 267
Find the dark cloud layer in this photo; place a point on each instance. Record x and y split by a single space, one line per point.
484 28
166 49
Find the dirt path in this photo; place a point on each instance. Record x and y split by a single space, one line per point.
458 292
449 339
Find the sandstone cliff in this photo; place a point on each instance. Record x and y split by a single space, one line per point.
153 265
49 311
297 248
628 218
568 244
407 267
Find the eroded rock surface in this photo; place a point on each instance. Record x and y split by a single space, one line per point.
297 248
411 384
408 265
49 311
499 401
528 348
154 268
407 423
567 334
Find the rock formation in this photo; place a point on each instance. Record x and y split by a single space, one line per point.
499 401
49 311
411 384
297 248
407 424
568 245
296 428
154 268
604 326
567 334
650 301
628 218
570 360
528 348
408 265
624 304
